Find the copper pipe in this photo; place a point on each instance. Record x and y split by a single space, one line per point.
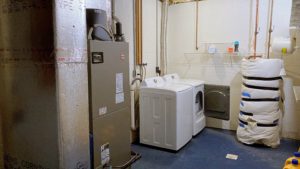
138 32
270 29
197 13
256 28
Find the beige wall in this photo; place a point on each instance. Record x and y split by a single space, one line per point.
220 29
231 22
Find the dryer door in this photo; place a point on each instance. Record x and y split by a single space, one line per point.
217 101
199 102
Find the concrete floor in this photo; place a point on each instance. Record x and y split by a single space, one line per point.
208 151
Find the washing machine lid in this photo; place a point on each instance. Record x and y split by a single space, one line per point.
176 87
192 82
153 82
174 78
158 83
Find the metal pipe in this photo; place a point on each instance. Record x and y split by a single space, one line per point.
256 28
132 100
163 35
250 25
113 27
157 42
138 32
114 17
134 38
197 13
270 29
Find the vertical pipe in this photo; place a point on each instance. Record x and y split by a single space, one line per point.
270 29
157 42
163 36
268 26
256 28
113 16
134 38
250 26
138 32
197 13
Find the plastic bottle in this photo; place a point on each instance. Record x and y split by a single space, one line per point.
236 46
296 156
293 165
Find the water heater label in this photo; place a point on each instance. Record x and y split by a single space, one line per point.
119 88
119 83
119 98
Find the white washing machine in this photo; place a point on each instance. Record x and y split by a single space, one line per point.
165 114
199 121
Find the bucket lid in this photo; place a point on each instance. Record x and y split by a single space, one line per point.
297 154
295 162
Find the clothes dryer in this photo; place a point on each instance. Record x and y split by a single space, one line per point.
198 99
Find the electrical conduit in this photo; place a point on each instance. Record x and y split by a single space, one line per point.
163 37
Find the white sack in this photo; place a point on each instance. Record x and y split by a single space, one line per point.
259 67
268 118
259 107
262 83
257 93
268 136
263 112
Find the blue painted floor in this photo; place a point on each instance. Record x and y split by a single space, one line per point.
208 151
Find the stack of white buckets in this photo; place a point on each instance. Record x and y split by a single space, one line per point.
260 115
